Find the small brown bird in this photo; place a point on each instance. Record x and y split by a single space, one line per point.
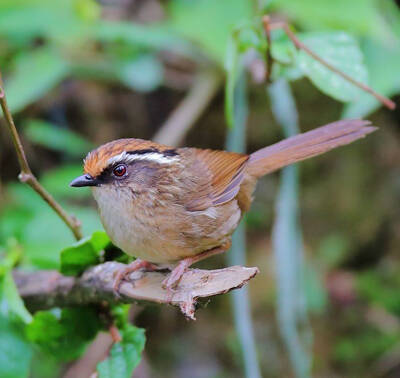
181 205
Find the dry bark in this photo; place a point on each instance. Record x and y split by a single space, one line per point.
46 289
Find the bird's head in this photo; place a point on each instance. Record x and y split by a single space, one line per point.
133 163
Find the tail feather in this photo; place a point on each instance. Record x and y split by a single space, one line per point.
309 144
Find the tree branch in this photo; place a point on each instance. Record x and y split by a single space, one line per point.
26 175
46 289
268 26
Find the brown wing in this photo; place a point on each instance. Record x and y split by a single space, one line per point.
220 173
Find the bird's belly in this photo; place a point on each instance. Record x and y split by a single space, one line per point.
140 239
166 234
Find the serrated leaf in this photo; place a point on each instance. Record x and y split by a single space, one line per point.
125 355
65 335
84 253
36 72
56 138
15 351
340 50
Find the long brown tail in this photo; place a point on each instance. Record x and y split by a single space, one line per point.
304 146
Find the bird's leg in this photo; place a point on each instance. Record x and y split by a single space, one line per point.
176 274
133 266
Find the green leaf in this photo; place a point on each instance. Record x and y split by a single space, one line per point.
250 35
283 51
15 351
209 22
232 67
56 138
100 240
27 217
87 10
144 73
57 182
36 72
356 16
141 72
64 335
11 303
125 355
341 51
10 300
63 20
383 62
84 253
154 37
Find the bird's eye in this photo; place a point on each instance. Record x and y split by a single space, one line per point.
119 170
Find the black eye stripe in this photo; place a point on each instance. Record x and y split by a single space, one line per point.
106 174
170 152
142 152
166 153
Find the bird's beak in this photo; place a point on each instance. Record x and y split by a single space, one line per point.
84 180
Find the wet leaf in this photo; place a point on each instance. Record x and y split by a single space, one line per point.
84 253
125 355
341 51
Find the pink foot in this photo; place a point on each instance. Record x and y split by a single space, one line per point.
175 276
133 266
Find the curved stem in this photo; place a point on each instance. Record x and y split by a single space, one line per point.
26 175
268 26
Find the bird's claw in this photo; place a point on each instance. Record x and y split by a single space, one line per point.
172 280
132 267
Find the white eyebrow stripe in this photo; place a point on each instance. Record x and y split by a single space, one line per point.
157 157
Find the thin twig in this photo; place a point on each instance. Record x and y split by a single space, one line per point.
268 26
204 88
46 289
26 175
115 335
269 60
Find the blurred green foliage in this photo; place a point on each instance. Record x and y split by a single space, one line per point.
124 355
84 253
56 138
63 334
